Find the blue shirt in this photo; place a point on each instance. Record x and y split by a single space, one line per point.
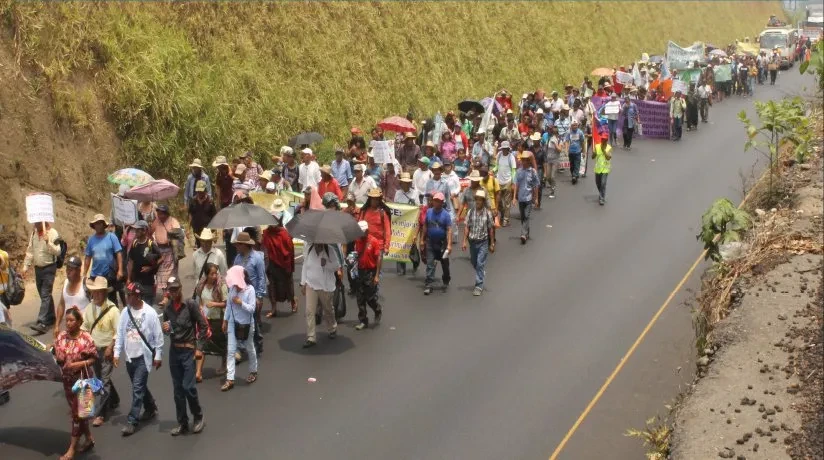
563 125
342 172
437 223
526 179
461 167
254 266
433 186
575 139
102 250
375 172
243 313
189 188
630 114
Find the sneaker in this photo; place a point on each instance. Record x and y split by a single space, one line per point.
198 425
309 344
333 335
601 201
148 415
427 290
128 430
39 328
477 291
179 430
445 287
361 326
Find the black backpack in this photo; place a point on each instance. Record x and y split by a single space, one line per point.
64 248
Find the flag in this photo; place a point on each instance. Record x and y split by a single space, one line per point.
665 73
487 119
636 76
596 132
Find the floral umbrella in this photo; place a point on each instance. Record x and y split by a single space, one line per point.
602 72
155 190
130 177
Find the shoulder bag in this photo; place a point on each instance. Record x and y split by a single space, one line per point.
99 317
142 337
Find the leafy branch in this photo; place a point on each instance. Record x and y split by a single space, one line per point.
722 223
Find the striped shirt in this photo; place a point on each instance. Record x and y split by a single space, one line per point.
479 223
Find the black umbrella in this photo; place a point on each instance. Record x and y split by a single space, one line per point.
470 106
324 227
242 215
306 139
23 359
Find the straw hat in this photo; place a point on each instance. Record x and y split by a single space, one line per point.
98 283
244 238
525 154
430 144
206 235
475 176
409 136
375 193
536 136
196 163
98 218
277 206
265 175
200 186
405 177
220 161
241 168
481 193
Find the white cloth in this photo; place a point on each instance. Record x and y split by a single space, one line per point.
361 190
420 178
319 269
410 197
133 345
77 300
308 175
149 324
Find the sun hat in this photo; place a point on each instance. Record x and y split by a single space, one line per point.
162 208
536 136
539 111
525 154
241 168
430 144
375 193
286 150
277 205
236 278
200 186
244 238
565 107
270 186
265 175
141 224
220 161
326 169
206 234
360 167
364 225
409 135
98 218
196 163
505 145
438 196
508 111
306 151
481 193
436 165
173 283
405 177
575 122
475 176
98 283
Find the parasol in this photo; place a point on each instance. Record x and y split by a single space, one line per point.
156 190
325 227
241 215
306 139
471 106
130 177
397 124
603 72
718 52
24 359
488 100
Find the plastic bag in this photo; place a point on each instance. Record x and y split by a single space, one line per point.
85 390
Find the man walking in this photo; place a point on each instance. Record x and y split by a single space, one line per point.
437 241
42 252
631 119
602 154
479 235
677 108
527 182
506 164
197 175
101 319
252 261
575 141
370 257
104 248
140 337
183 319
143 262
317 282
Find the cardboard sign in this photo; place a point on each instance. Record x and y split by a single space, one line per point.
383 152
39 208
612 107
124 211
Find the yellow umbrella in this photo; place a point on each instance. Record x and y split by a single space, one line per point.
603 72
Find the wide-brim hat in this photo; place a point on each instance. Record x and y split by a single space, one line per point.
405 177
98 218
240 169
196 163
475 176
430 144
481 193
265 175
409 135
220 161
536 136
375 193
206 235
200 186
244 238
98 283
277 206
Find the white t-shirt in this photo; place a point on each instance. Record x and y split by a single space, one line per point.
77 300
454 183
308 175
506 163
362 190
133 345
420 178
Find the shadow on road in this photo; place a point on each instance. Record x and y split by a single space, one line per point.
46 441
294 344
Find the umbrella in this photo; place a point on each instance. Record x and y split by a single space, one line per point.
718 52
159 189
306 139
23 359
488 100
603 72
241 215
324 227
470 106
657 58
397 124
130 177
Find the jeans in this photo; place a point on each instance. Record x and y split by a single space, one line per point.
478 252
628 136
44 278
601 183
704 109
773 75
676 128
525 208
506 203
549 173
141 396
182 368
232 347
751 84
367 295
613 135
324 298
103 370
434 253
257 337
575 164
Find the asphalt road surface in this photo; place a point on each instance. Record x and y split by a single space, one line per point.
451 376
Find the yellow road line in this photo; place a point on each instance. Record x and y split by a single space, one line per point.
634 346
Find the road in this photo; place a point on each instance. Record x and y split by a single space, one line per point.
451 376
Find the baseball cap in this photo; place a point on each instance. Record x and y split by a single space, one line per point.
438 196
505 145
74 262
173 283
141 224
134 288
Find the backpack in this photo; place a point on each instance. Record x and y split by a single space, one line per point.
64 248
15 290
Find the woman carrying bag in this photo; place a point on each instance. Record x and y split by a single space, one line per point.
239 323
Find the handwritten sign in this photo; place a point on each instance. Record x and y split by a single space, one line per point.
39 207
681 58
124 212
382 152
612 107
679 85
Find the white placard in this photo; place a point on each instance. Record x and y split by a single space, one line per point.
39 208
612 108
678 85
624 78
124 212
382 152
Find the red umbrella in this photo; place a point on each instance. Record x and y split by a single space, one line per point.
397 124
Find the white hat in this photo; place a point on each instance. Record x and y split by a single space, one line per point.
286 150
307 151
270 186
364 225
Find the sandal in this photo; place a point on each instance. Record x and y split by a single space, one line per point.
272 314
98 421
251 378
67 457
227 386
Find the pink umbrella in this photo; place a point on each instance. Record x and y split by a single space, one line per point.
159 189
397 124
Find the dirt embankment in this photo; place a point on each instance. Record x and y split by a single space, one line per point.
37 154
758 393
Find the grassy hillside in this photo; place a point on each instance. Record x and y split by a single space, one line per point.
186 80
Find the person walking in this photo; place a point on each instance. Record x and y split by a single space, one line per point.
183 319
506 165
143 259
631 119
100 319
212 293
140 338
201 210
370 259
73 294
105 250
479 236
239 323
553 157
575 143
196 175
317 283
602 154
342 171
223 182
208 253
75 353
437 241
166 232
42 252
280 253
527 183
678 107
704 101
252 261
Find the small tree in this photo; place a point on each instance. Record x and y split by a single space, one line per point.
722 223
816 64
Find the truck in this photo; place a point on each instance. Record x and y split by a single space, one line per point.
782 39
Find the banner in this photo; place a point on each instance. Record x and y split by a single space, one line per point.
654 118
680 58
24 359
124 211
39 208
723 72
690 75
679 85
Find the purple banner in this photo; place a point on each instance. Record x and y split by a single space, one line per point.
654 117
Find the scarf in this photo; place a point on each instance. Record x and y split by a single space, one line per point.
236 278
277 243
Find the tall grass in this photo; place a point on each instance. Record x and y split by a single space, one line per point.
199 80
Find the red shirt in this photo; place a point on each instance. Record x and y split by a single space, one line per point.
380 225
330 186
369 252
